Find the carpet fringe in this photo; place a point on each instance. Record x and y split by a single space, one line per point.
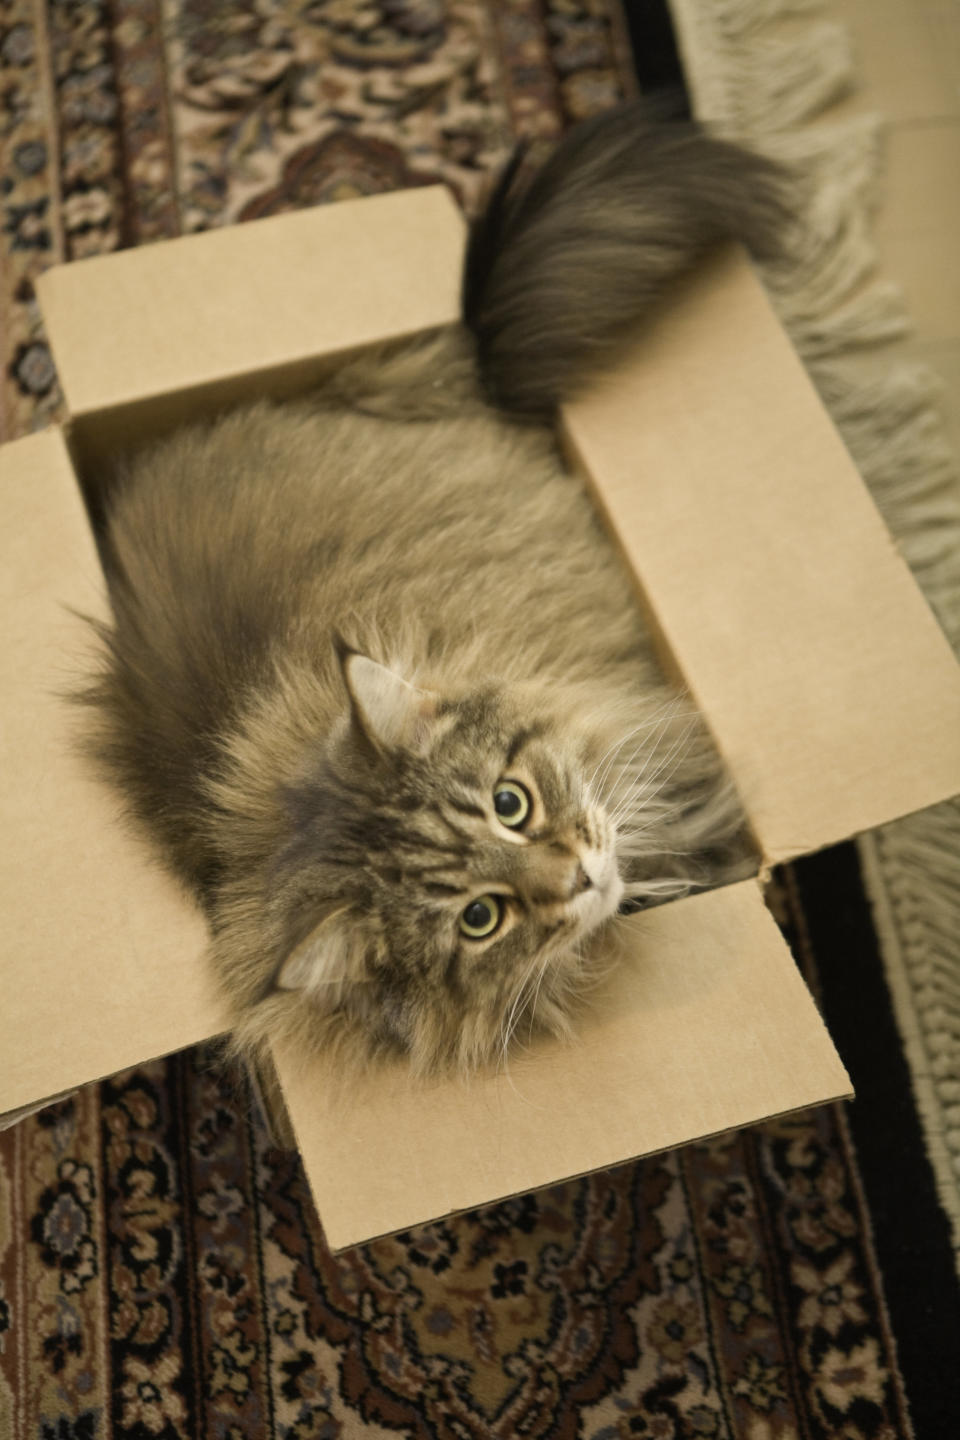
911 873
764 90
764 83
779 83
739 17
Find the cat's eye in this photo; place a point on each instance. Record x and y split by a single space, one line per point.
481 917
512 802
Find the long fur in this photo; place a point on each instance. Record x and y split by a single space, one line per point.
340 623
563 265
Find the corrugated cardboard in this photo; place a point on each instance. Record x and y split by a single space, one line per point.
102 955
829 686
709 1026
146 339
250 299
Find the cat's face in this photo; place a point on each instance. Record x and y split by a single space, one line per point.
473 860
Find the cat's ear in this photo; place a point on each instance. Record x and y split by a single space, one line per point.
321 963
388 710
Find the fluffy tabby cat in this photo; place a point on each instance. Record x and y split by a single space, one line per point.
376 680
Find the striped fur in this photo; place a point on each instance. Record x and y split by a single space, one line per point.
338 624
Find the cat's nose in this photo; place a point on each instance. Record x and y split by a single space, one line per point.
581 881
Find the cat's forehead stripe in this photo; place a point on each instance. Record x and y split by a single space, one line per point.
441 887
467 807
435 869
521 740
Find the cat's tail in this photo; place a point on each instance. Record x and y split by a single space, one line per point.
564 264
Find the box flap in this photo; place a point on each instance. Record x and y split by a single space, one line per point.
9 1118
165 318
829 686
102 952
708 1027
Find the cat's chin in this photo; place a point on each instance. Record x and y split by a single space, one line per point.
597 905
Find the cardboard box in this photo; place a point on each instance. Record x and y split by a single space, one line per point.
769 577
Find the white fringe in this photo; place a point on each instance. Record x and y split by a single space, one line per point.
762 83
760 88
739 17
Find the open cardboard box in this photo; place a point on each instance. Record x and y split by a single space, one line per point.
769 577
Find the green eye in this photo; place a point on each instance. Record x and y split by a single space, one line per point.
481 917
512 802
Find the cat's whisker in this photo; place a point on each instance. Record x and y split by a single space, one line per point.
668 711
665 726
627 769
504 1068
513 1017
645 796
624 765
539 967
667 885
643 793
653 819
660 717
597 779
633 796
658 852
536 992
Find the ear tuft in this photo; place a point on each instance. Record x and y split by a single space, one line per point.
321 963
389 711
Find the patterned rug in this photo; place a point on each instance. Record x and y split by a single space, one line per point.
162 1269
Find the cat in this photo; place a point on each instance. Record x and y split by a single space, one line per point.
376 681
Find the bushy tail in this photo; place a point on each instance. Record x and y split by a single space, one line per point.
562 265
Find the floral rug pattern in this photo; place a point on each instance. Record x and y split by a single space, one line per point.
163 1272
128 121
